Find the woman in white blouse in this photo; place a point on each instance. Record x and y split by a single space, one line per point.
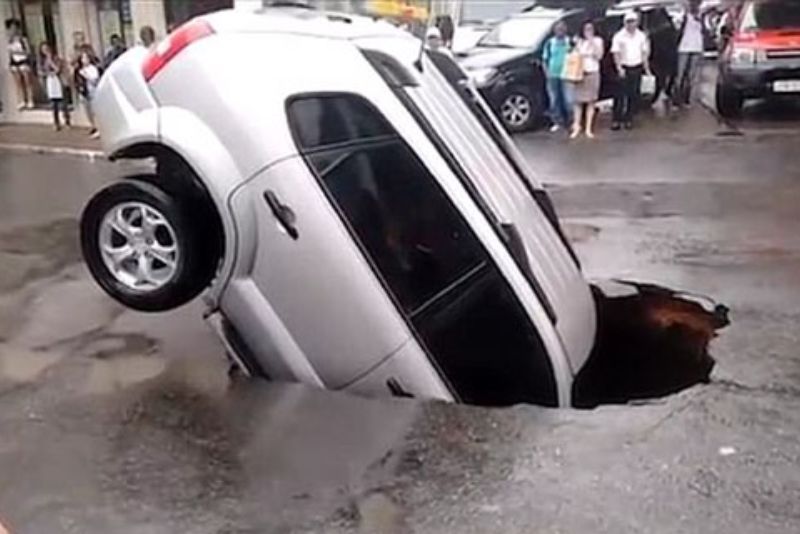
590 47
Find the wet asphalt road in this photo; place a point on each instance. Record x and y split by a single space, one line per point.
112 421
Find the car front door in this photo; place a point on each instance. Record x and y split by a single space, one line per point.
306 264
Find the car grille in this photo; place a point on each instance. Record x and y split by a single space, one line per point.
782 54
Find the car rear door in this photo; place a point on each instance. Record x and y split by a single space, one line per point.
426 255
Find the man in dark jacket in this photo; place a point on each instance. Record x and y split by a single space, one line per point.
116 49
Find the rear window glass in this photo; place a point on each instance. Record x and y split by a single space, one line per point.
332 120
774 15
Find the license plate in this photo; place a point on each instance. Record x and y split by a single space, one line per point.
786 86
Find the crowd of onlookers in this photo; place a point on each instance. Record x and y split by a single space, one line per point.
647 56
573 71
64 81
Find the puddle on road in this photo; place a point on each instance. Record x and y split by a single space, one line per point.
34 252
651 342
108 376
22 366
120 360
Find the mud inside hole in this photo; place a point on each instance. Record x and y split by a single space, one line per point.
651 342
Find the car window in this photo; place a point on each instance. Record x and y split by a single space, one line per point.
463 309
773 15
319 122
657 20
520 32
407 225
574 22
609 26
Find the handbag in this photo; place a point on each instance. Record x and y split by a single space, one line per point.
648 84
573 67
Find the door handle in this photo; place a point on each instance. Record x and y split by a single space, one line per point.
282 213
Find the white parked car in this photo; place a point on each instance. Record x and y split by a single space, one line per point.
353 214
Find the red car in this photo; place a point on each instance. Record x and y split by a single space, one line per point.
760 54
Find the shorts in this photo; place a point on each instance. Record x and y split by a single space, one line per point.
19 65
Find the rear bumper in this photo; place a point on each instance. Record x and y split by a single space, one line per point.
758 81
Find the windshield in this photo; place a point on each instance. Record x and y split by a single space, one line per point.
522 32
774 15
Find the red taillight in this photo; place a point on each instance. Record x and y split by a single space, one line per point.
167 49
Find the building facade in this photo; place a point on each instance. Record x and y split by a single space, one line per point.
64 22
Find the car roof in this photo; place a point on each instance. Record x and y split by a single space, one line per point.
627 5
302 21
541 12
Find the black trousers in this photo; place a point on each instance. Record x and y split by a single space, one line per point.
628 94
60 105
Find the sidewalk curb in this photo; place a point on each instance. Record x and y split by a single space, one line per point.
84 153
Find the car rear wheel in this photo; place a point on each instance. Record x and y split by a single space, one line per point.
729 102
141 249
519 110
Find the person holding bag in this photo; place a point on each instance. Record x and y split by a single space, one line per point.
590 50
631 49
554 57
51 68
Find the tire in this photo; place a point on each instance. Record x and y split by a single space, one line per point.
729 102
519 110
142 248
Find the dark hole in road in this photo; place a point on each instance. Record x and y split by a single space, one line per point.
651 342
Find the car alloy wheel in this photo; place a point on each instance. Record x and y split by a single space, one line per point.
148 249
138 246
516 110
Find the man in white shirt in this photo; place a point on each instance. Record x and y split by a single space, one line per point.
690 53
631 50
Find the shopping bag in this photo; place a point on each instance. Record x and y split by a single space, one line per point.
648 84
573 67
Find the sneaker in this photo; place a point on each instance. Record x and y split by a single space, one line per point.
629 126
94 134
616 126
29 104
21 106
554 128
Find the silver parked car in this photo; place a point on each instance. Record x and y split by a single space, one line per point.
353 214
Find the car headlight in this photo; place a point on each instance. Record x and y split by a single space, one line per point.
744 56
482 76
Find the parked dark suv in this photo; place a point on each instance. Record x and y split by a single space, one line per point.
760 55
506 64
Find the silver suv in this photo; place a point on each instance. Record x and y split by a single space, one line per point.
353 214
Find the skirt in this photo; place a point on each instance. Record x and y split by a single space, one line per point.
588 89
